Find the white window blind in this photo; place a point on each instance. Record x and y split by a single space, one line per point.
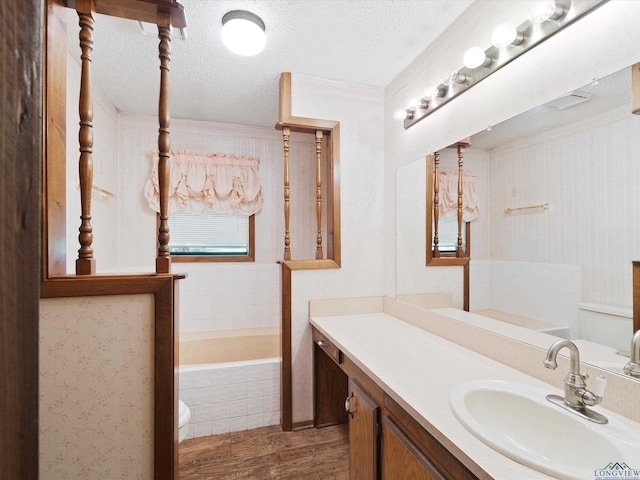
208 233
448 235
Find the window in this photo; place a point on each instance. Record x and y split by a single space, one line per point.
448 236
210 236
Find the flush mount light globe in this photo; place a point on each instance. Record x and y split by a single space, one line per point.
243 32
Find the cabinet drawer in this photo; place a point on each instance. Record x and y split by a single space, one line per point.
328 347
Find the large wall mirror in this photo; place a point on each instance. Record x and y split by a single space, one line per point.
557 234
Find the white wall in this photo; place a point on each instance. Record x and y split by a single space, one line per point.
546 261
603 42
360 113
217 296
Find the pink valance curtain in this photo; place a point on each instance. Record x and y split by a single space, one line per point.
222 183
449 196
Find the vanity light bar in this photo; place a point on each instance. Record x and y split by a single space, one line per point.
528 34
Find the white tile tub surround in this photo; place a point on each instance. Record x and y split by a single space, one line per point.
230 397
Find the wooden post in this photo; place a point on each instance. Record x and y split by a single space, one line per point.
163 260
286 132
85 263
459 251
436 203
635 88
319 254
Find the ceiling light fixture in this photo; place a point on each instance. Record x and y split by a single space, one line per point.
243 32
550 16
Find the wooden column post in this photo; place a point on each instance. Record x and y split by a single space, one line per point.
319 254
459 251
85 263
163 259
436 203
286 132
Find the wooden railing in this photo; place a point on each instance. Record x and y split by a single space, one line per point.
55 283
286 136
165 13
434 255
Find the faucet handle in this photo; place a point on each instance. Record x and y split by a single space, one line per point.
601 384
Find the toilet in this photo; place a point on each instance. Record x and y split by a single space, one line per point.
184 414
604 325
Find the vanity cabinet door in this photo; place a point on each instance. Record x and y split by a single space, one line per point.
364 428
330 383
401 458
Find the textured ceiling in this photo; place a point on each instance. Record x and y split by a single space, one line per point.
364 42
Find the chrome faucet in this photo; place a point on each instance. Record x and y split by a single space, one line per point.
576 396
633 367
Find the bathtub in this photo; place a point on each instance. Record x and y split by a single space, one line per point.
230 379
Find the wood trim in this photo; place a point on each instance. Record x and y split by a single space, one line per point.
163 258
302 425
165 349
86 262
143 10
53 207
21 134
636 296
311 264
166 385
331 130
635 88
286 384
334 242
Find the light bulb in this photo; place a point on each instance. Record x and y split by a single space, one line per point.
543 11
505 35
243 33
414 104
475 57
400 114
429 92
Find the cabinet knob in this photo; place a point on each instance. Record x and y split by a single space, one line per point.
322 344
347 404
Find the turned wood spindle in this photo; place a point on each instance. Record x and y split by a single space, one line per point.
163 259
286 132
85 263
459 251
436 202
319 254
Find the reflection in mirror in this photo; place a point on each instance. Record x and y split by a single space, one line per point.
567 269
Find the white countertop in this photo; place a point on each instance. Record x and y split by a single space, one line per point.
419 369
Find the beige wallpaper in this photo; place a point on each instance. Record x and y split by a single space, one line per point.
96 387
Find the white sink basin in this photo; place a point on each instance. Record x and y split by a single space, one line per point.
519 422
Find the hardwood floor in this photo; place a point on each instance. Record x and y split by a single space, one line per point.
268 454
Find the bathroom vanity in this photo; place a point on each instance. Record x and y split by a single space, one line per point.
384 440
391 381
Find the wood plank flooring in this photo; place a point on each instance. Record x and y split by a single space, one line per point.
268 454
